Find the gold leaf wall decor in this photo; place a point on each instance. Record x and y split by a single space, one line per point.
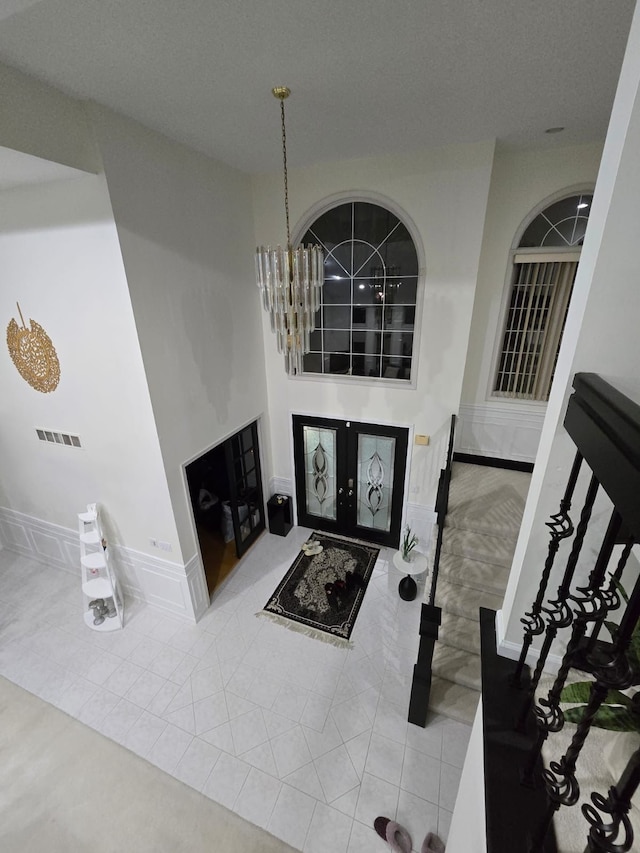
33 354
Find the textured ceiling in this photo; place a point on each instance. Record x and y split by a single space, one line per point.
367 76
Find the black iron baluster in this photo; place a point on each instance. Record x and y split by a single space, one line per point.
560 780
549 714
561 528
603 836
591 606
559 613
612 597
612 670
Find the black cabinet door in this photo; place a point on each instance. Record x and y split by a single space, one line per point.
350 477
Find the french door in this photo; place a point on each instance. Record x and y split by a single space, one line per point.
350 477
245 486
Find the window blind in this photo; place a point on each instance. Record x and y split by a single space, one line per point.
536 315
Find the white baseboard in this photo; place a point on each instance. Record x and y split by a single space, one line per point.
172 587
511 650
500 430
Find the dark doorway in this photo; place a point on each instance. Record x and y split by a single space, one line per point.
350 477
225 486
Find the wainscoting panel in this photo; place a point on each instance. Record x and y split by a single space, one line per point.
422 520
160 583
14 536
501 430
168 586
39 540
49 547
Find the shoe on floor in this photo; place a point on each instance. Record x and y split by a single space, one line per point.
432 844
395 835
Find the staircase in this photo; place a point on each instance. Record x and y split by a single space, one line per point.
481 528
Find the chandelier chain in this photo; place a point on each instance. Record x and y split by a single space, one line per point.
290 282
286 183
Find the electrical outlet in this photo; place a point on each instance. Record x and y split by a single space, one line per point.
422 439
164 546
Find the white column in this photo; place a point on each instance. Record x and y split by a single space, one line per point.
601 334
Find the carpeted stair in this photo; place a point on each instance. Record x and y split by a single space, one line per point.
481 529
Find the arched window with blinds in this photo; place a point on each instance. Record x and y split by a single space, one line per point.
544 269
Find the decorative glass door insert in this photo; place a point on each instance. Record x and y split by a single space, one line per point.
375 480
320 472
350 477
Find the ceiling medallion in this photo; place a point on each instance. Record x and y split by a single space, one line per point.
290 280
33 354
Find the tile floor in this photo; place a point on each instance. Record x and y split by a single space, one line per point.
309 741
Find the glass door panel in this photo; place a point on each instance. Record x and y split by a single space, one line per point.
246 487
375 481
320 472
350 477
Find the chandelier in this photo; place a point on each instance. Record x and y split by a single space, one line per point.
290 280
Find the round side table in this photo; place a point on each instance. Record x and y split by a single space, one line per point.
407 587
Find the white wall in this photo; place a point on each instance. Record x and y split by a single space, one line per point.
467 831
521 181
185 228
601 332
443 192
61 261
40 120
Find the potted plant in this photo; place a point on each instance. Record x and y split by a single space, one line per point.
619 713
409 542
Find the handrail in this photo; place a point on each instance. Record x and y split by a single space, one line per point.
442 505
431 615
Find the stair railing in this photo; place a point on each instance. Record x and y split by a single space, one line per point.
442 507
430 615
605 428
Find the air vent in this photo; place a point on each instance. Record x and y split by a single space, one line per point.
62 438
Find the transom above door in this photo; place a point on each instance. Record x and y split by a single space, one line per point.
350 477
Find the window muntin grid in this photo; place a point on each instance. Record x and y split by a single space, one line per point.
539 299
366 322
561 225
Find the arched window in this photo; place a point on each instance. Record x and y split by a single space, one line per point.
365 325
544 269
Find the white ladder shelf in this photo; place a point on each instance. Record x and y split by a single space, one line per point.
103 609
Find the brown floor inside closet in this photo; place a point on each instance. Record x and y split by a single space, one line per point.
219 557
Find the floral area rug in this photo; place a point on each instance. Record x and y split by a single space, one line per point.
320 595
